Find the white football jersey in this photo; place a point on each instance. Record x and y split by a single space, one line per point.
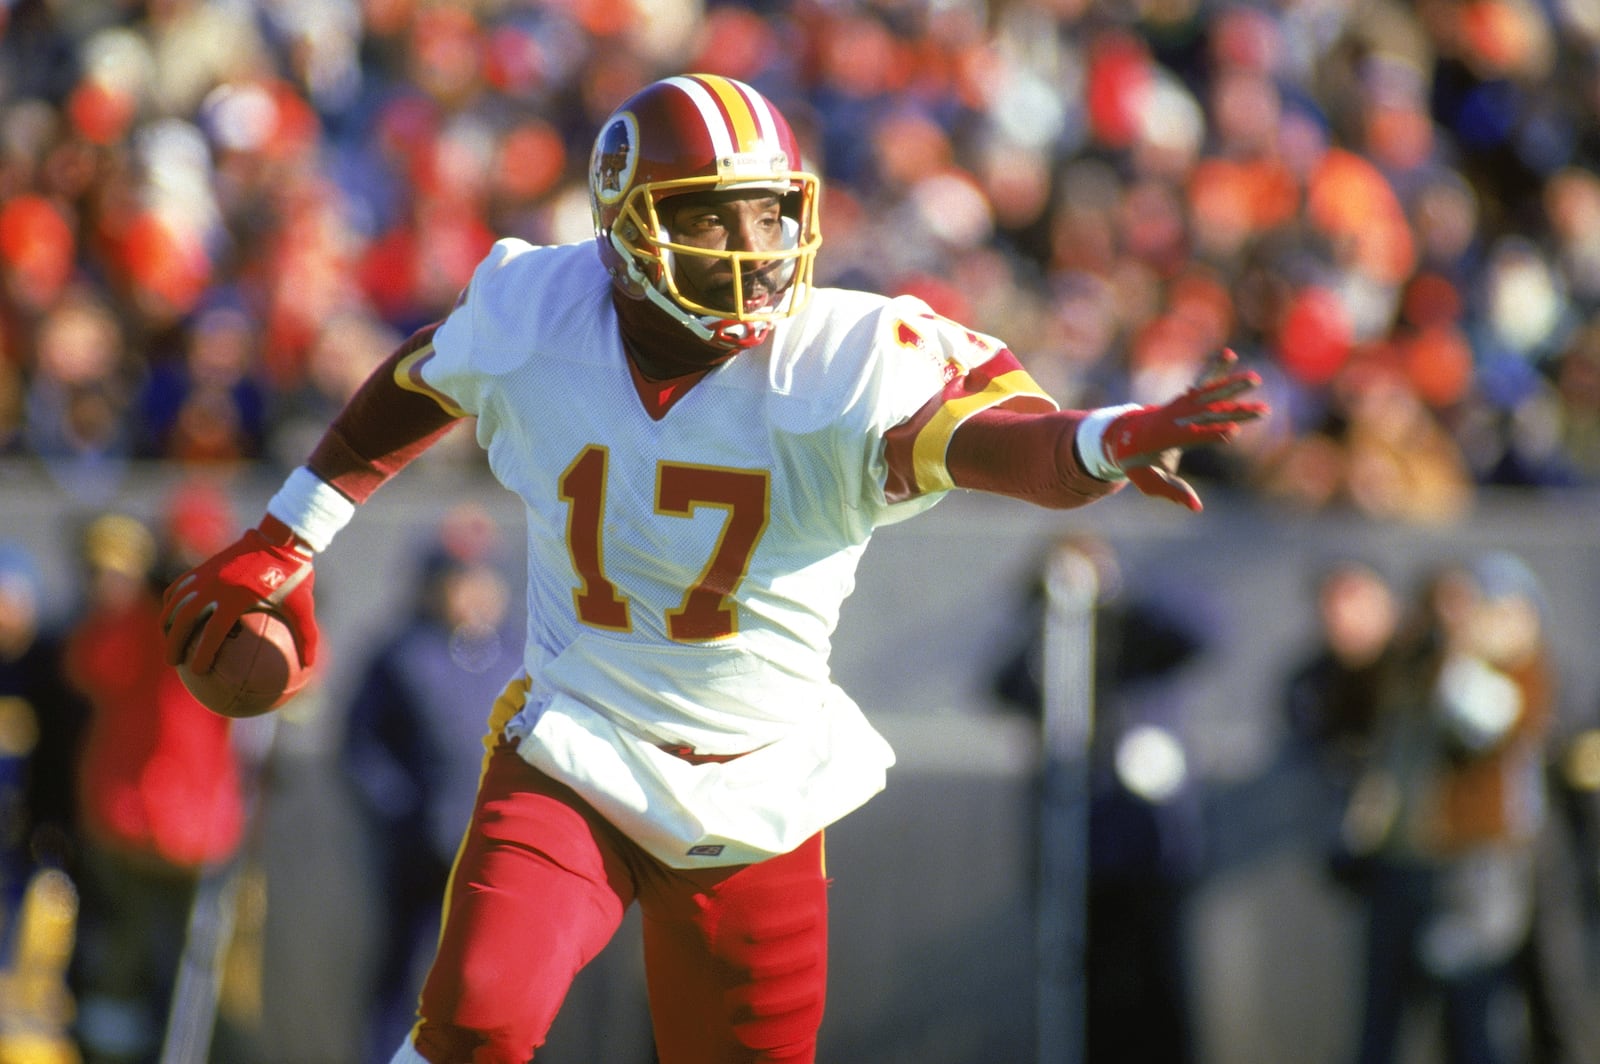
686 572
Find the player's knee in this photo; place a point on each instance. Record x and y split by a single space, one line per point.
474 1014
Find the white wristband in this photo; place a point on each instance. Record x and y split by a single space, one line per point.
312 508
1091 437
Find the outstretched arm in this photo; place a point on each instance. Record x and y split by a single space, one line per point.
1068 458
386 424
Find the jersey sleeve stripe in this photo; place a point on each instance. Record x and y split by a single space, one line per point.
408 375
927 454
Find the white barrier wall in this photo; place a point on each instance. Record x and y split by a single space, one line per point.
932 895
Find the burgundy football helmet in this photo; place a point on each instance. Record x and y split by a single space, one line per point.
695 133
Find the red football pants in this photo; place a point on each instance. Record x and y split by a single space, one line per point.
735 957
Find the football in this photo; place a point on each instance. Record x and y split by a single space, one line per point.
257 669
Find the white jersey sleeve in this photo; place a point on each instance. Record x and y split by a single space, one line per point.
486 339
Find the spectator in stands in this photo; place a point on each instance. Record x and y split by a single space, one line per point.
413 748
1452 809
1145 840
40 723
76 412
1414 188
158 797
208 405
1332 698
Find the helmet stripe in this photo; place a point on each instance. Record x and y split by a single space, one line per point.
762 113
737 106
722 142
736 116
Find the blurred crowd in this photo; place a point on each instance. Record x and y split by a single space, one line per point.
216 217
1455 804
121 797
132 880
1436 765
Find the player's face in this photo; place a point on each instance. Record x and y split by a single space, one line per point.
728 221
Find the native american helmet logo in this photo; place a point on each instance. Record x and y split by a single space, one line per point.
615 156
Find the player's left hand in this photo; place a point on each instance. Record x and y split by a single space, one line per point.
1146 444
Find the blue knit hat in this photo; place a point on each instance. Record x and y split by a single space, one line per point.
1501 574
19 573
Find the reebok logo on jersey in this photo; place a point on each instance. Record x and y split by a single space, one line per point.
706 850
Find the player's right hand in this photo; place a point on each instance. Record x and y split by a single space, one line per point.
267 568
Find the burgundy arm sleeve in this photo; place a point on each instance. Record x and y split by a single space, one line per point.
382 428
1028 456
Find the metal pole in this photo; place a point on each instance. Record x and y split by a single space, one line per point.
192 1013
1067 721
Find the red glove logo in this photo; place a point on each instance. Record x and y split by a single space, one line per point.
265 569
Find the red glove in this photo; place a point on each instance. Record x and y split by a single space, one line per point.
1146 443
268 567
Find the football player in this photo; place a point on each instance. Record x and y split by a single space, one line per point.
704 442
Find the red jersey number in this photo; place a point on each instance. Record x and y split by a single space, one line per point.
706 611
